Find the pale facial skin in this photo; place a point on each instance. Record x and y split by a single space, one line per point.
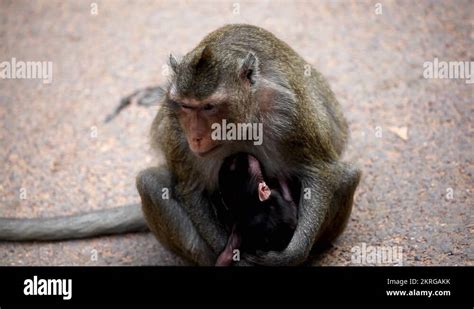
196 118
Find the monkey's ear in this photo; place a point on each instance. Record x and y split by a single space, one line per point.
249 68
174 63
264 191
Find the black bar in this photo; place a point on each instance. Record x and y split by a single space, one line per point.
190 285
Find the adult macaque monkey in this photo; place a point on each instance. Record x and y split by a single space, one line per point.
242 74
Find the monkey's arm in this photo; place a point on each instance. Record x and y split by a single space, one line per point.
184 226
102 222
323 215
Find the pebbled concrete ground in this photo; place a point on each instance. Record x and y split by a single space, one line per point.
411 136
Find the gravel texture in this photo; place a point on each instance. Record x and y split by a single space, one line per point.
411 136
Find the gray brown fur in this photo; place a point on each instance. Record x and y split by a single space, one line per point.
305 135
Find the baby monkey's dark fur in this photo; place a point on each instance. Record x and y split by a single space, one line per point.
262 225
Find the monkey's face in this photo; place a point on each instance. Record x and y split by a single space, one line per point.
196 118
206 89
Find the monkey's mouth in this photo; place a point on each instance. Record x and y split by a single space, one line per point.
207 152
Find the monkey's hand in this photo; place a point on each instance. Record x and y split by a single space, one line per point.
299 247
295 254
287 257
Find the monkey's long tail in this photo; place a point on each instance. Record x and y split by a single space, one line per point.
147 97
102 222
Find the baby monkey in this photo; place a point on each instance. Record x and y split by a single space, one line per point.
263 216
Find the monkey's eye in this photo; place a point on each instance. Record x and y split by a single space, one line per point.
176 105
208 107
186 108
